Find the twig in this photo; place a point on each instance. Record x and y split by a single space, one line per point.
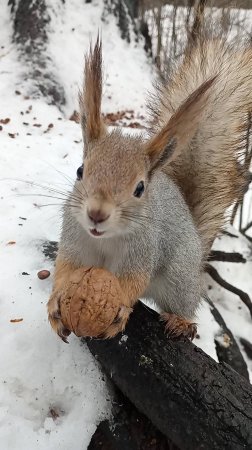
241 213
248 155
229 287
246 236
234 257
227 233
247 227
234 212
247 347
247 162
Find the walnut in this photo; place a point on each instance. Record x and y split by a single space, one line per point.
92 301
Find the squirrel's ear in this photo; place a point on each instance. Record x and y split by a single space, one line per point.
164 146
90 97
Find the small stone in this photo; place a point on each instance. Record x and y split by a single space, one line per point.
75 117
43 274
5 121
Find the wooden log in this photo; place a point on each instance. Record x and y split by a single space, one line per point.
196 402
128 429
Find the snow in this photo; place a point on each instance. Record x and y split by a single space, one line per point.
234 312
51 394
38 373
126 73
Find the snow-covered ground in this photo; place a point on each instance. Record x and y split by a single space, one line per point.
52 395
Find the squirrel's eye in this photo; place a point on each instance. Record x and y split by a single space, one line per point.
139 189
79 172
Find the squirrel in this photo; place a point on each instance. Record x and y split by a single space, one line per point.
149 209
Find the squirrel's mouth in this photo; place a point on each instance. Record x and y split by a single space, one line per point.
96 233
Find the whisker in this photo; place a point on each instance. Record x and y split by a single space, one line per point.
45 195
69 180
50 189
33 183
61 173
58 204
130 219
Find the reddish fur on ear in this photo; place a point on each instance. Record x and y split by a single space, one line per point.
180 129
91 95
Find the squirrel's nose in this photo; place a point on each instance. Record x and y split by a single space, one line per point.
97 216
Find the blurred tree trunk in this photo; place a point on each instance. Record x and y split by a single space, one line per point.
30 19
125 12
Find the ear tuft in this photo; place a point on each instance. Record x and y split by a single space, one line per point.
180 129
90 97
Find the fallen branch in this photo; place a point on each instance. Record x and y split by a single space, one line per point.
190 398
128 429
229 287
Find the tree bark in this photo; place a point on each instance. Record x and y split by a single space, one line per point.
196 402
128 430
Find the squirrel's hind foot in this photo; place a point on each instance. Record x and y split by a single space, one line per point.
178 327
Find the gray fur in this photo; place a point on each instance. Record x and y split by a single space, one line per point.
166 246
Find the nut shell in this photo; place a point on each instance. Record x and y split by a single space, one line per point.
92 300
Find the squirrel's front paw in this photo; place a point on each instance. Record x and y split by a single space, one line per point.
118 323
54 317
176 326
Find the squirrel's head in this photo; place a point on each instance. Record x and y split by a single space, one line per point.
111 190
113 184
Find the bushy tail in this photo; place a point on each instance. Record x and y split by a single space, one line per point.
210 170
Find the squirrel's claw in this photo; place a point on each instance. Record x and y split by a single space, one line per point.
118 324
178 327
54 317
